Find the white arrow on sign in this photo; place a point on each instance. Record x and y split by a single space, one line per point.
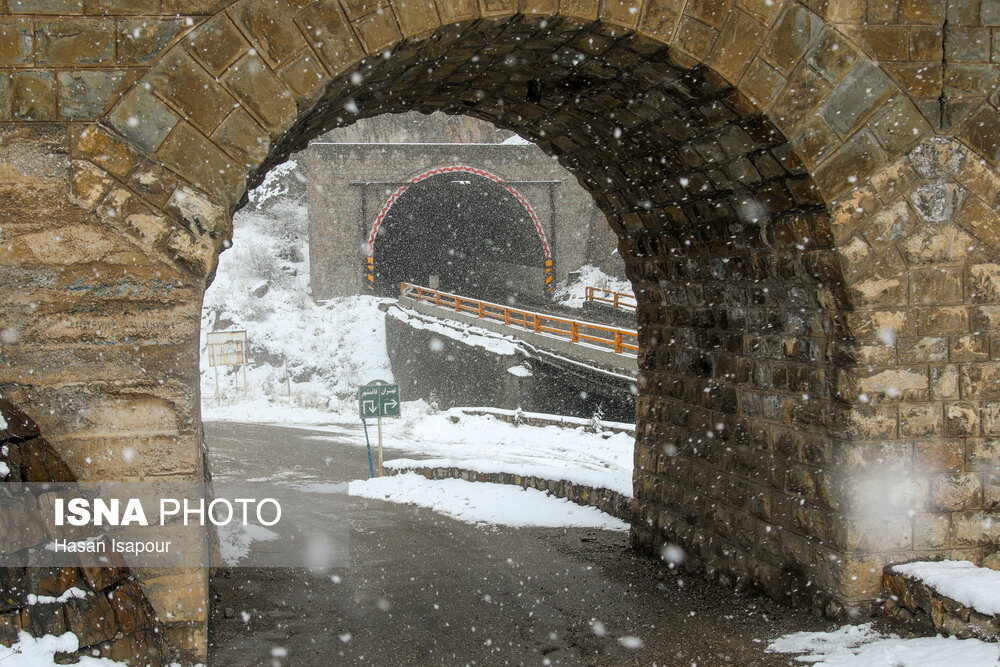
390 404
369 406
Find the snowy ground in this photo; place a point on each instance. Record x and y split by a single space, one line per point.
572 293
482 503
862 646
41 652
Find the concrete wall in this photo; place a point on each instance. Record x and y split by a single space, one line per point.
341 215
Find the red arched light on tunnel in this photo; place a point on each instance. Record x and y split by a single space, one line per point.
450 170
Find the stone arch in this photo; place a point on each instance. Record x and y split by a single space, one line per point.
794 132
546 259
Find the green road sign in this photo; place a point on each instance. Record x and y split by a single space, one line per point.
378 399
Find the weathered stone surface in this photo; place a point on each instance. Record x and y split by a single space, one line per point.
86 94
16 42
75 42
143 119
32 95
141 41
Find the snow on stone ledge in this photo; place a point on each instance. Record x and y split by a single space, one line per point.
975 587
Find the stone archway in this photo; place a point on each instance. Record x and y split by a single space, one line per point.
499 259
810 227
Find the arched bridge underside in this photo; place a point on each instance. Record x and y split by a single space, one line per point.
804 192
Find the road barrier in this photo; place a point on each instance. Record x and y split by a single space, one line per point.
622 300
622 341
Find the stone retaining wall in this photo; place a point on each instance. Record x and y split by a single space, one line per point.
606 500
913 602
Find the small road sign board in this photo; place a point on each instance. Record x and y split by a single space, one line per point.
378 399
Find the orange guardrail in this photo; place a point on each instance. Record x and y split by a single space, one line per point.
622 300
622 341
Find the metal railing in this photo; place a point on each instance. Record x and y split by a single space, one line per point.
622 300
622 341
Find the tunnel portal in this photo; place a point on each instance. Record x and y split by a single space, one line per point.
478 236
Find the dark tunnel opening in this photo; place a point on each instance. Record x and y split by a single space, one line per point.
466 230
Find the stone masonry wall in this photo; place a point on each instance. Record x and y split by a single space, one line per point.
805 194
113 618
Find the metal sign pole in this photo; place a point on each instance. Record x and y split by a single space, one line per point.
380 472
368 444
218 399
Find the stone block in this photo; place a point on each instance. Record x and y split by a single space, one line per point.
971 44
271 29
899 125
936 287
4 97
203 164
16 42
143 119
32 95
327 28
982 132
695 38
802 95
974 529
418 17
983 454
86 94
105 150
956 492
185 84
920 420
453 11
660 18
141 40
930 531
217 44
73 42
378 32
943 320
981 380
305 77
262 92
981 220
791 37
935 246
736 45
972 347
989 13
241 133
861 91
923 12
962 419
853 163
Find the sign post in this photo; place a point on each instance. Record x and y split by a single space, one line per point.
378 399
227 348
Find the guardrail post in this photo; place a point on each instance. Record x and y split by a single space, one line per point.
458 305
482 310
616 300
506 316
576 332
538 324
437 298
618 342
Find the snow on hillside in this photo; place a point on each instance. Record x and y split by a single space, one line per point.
571 292
302 354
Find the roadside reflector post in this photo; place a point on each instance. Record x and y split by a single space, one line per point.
576 332
618 341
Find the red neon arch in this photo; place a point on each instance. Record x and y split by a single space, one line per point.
448 170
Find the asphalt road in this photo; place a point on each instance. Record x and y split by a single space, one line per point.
423 589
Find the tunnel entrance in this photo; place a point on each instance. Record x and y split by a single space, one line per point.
464 229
